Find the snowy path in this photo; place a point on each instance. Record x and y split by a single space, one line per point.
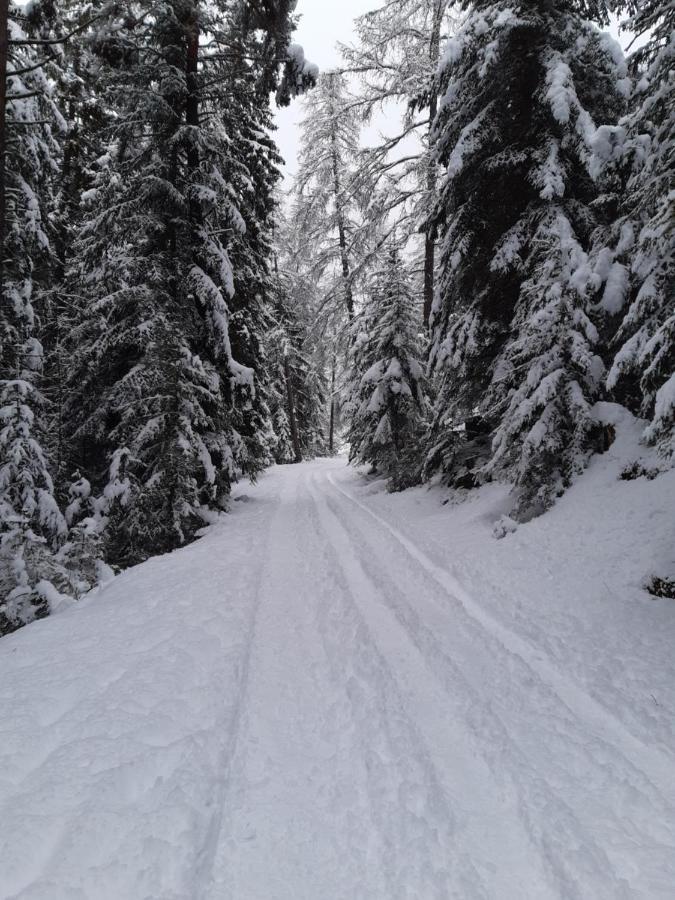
309 707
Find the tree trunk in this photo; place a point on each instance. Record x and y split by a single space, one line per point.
192 112
429 269
295 440
430 237
342 230
4 51
331 427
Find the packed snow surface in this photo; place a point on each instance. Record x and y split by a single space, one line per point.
339 693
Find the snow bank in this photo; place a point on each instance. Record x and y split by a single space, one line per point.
573 581
115 722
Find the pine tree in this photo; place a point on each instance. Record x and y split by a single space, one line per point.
140 228
513 344
254 173
32 526
288 381
549 373
387 402
638 268
75 71
81 98
157 399
299 351
301 399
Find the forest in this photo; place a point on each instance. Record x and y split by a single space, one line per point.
463 297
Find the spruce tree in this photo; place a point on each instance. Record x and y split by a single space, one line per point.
387 402
513 345
306 320
32 527
301 391
638 265
253 171
158 401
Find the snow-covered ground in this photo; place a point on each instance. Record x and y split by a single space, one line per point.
339 693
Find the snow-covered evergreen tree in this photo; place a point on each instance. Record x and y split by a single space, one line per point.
360 357
154 380
549 373
288 445
523 88
300 348
254 172
387 402
301 401
638 266
31 524
81 98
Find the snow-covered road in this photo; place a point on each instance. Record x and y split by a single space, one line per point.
307 705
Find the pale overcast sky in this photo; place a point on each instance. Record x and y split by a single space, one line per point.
323 23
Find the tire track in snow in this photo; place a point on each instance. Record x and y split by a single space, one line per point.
544 797
501 753
487 843
659 768
206 859
295 826
408 805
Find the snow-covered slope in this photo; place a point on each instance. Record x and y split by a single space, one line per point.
339 693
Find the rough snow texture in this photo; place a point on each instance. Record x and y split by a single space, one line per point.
338 693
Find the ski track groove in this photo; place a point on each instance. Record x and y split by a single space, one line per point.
649 788
492 731
277 759
378 712
206 858
660 770
533 788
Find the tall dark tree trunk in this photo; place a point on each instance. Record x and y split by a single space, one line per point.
342 230
192 108
429 269
430 237
331 427
4 52
290 399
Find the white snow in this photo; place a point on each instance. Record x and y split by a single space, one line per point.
466 143
616 289
664 409
340 693
549 176
560 93
296 53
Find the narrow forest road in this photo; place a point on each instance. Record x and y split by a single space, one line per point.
310 708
